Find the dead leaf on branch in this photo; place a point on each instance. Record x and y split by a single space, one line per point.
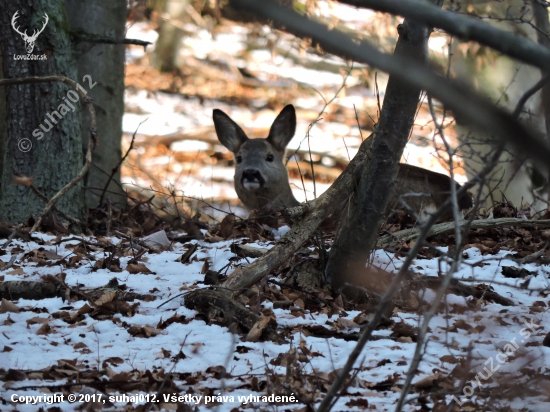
22 180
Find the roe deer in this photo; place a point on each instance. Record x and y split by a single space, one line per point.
261 178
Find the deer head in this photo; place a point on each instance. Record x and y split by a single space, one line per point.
29 40
261 178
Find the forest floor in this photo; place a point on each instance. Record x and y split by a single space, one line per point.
105 316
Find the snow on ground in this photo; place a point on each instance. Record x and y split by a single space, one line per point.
488 327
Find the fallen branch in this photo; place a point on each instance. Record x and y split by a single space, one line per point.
407 235
325 205
460 289
92 141
242 278
204 300
52 287
23 289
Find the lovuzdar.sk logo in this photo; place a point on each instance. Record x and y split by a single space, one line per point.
29 40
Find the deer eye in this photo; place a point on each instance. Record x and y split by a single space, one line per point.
239 159
269 158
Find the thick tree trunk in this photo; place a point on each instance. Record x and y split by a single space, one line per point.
104 63
42 135
357 234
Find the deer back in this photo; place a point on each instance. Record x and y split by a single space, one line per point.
423 191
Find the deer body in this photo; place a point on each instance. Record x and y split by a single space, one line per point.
261 178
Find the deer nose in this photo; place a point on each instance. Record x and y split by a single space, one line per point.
252 176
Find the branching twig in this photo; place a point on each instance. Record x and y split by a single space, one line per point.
521 102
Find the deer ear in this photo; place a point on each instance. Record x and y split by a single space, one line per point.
229 133
283 128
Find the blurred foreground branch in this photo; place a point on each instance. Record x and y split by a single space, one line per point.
467 105
463 27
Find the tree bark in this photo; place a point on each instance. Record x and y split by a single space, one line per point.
104 63
54 158
358 232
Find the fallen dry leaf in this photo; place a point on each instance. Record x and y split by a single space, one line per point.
8 306
134 268
256 330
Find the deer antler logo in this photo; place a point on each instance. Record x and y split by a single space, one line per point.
29 40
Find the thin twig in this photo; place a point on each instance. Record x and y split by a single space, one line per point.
521 102
12 235
94 38
115 169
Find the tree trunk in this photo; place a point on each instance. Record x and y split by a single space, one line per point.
104 63
169 41
357 234
42 135
540 13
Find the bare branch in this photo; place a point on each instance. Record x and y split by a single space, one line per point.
115 169
407 235
527 95
94 38
460 98
465 28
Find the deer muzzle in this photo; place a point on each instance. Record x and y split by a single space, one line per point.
252 179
